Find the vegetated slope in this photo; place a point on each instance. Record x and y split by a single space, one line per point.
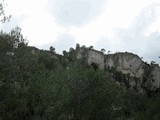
83 84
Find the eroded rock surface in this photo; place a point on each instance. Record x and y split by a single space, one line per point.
129 67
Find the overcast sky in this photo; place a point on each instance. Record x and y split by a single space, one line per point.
115 25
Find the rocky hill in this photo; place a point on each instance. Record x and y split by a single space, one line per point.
126 68
82 84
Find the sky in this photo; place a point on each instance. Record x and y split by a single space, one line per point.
115 25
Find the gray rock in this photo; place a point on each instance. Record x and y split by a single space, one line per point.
137 73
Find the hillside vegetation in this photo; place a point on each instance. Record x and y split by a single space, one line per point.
42 85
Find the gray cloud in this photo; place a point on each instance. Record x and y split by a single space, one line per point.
133 39
153 47
63 42
103 42
75 12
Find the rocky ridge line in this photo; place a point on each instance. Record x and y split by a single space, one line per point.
126 68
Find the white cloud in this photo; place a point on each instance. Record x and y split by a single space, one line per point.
26 7
134 39
75 12
63 42
40 29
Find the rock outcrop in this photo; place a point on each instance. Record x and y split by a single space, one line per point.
129 68
96 58
127 63
153 78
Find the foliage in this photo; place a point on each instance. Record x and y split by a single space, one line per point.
52 49
3 16
43 86
103 50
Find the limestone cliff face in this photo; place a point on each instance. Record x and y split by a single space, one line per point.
92 56
156 76
137 73
130 65
153 80
127 63
97 58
